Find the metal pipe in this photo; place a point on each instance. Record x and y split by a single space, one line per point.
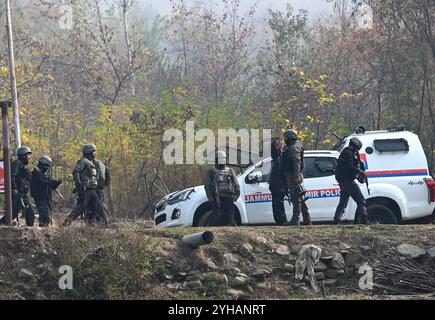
198 239
5 105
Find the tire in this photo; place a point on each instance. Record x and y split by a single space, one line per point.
205 219
380 214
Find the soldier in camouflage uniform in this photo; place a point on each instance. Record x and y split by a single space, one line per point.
103 181
222 189
88 177
20 180
42 188
292 166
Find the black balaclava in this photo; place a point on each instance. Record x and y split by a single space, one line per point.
24 160
290 142
218 165
90 156
42 167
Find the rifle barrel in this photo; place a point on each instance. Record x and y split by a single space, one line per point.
336 135
60 194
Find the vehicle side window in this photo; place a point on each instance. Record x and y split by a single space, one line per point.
265 172
316 167
391 145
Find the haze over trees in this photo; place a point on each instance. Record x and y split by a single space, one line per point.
121 75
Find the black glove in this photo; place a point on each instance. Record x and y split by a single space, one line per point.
362 177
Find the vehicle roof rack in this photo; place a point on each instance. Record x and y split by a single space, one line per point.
396 129
362 130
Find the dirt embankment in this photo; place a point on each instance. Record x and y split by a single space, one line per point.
133 261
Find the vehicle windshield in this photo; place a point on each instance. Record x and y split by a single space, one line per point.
256 165
340 145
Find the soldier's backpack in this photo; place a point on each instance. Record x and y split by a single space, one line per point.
224 181
89 176
102 173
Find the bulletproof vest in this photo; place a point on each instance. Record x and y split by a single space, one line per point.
89 175
225 185
22 176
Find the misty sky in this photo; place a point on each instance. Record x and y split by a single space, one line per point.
316 8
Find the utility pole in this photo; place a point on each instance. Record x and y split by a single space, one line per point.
13 79
5 105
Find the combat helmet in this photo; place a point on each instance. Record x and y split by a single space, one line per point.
46 161
290 135
89 148
23 150
356 143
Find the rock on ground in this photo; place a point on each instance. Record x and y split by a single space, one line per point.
411 250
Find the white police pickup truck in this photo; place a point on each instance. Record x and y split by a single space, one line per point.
400 187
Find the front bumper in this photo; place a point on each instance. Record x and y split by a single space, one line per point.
170 216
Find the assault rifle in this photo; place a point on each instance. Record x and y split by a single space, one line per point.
362 177
216 191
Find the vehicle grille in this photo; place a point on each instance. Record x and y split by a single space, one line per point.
160 219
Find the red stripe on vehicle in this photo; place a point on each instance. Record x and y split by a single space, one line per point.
398 171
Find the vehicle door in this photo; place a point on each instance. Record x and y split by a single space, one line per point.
258 198
322 189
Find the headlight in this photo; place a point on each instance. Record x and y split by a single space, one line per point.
180 196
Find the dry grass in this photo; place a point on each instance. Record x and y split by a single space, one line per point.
125 261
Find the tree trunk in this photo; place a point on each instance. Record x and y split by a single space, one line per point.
125 6
423 93
133 203
378 123
110 192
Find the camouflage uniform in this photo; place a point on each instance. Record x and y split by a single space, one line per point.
86 177
41 190
292 166
20 180
222 189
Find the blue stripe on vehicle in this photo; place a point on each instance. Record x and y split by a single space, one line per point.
396 175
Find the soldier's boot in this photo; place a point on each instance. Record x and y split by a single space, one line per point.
294 220
67 221
365 219
306 216
280 219
307 222
72 216
297 209
30 216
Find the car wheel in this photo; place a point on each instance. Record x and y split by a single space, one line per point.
380 214
205 219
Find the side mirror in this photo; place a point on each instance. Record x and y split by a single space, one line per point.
255 177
